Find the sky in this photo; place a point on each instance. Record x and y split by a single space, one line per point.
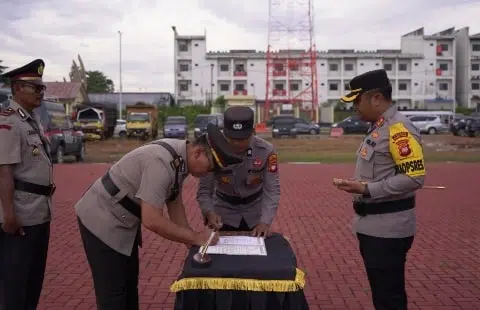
57 30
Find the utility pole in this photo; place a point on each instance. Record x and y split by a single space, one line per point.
211 84
120 103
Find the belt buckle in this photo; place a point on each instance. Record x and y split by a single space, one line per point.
53 187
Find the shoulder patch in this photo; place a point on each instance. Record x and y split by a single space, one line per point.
406 151
272 163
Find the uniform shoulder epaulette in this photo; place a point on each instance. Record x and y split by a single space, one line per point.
7 112
260 142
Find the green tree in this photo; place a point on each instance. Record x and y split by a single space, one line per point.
2 70
98 82
220 102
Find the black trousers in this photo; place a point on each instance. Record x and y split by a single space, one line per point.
22 267
384 260
243 227
115 276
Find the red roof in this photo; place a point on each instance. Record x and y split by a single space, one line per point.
63 90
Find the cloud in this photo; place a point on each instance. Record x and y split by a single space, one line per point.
57 30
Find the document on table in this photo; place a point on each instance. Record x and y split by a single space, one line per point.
238 245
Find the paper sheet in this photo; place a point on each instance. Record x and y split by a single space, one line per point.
238 245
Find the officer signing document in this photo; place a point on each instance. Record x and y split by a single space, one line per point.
242 197
390 168
134 191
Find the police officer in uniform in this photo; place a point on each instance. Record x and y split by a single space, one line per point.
134 191
26 187
243 197
390 169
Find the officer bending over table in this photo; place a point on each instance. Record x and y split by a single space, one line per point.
134 191
26 189
390 168
245 196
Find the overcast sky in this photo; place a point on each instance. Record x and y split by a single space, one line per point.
58 30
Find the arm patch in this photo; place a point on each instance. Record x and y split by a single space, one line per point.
406 151
272 163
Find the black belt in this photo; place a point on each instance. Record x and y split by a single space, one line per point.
44 190
363 209
127 203
235 200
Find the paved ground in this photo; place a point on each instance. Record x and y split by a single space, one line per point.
443 266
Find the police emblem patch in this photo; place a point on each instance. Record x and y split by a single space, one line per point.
40 70
273 163
257 162
237 126
404 148
225 180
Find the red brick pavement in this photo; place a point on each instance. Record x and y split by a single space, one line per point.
443 265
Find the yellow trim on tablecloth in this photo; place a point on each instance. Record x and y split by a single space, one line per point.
239 284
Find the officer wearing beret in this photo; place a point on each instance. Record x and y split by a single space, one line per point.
26 188
390 169
134 191
243 197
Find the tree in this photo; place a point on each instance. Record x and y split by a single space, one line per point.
2 70
220 102
98 82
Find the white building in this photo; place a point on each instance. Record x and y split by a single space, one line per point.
422 72
468 68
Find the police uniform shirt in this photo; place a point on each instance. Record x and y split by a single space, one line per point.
257 172
21 146
390 159
143 174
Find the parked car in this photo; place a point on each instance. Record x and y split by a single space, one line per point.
431 124
472 128
284 127
352 125
65 138
175 127
273 119
458 126
202 120
304 127
120 128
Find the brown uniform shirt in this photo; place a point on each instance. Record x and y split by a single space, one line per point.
21 146
143 174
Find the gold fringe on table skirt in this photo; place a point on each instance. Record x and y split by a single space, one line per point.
240 284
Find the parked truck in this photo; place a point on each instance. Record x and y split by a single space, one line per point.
142 121
97 120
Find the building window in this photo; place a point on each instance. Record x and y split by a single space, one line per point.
333 67
278 67
183 67
444 47
402 67
183 46
443 67
387 67
224 68
346 86
183 87
239 68
224 87
475 67
475 47
294 87
475 86
348 67
239 87
333 86
402 86
443 86
279 86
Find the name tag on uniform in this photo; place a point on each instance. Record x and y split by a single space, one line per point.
32 132
371 143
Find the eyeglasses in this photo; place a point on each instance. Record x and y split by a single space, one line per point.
36 88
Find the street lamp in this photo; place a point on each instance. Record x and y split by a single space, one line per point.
120 103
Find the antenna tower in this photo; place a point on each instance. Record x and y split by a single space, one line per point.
291 57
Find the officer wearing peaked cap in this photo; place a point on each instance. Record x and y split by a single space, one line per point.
243 197
390 168
26 188
133 192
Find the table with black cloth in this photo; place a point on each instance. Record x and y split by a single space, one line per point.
243 282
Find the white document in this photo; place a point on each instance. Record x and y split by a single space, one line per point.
238 245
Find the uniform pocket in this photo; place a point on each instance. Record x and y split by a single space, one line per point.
366 163
254 179
123 215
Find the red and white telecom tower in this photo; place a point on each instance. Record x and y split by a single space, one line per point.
291 56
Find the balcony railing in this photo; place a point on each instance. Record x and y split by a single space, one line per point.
279 92
240 73
240 92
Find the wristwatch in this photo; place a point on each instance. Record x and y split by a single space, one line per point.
366 193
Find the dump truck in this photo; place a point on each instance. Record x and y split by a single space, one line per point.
142 121
97 120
